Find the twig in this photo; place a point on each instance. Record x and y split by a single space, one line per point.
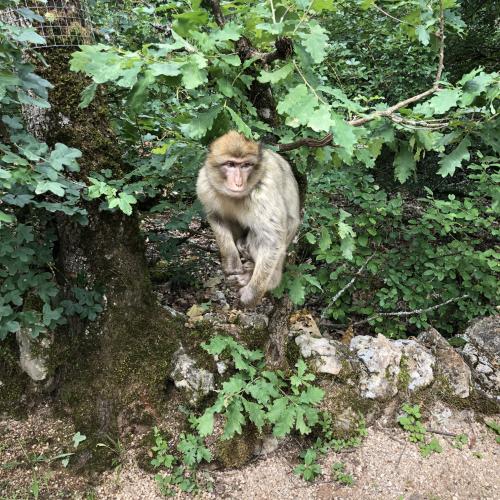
386 113
390 15
442 433
353 279
411 313
401 454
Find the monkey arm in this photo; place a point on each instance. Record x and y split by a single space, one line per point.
230 257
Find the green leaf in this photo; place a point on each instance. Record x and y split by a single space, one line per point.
444 100
29 35
404 163
125 202
320 119
88 94
234 419
343 134
205 423
193 76
231 59
297 291
275 76
325 241
451 162
315 42
201 124
230 31
165 69
297 104
78 438
63 156
256 414
54 187
240 124
422 34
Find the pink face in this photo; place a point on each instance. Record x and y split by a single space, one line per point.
236 172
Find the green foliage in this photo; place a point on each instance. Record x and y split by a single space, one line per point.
410 422
182 470
308 470
433 446
495 428
419 192
326 441
339 474
260 396
460 441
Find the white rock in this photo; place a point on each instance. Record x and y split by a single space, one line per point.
34 366
419 363
482 353
186 375
323 352
449 364
381 359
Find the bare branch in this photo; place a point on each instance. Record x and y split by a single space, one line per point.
386 113
390 15
411 313
353 279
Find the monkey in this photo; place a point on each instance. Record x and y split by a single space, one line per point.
251 199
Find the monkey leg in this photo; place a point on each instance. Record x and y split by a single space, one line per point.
230 257
266 263
276 276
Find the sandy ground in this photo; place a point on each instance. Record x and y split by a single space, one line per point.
385 466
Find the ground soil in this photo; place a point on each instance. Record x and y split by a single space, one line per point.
385 466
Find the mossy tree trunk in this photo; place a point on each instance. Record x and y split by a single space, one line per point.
97 365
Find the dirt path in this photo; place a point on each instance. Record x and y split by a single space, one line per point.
386 466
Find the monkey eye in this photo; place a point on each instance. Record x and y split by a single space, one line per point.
247 165
230 164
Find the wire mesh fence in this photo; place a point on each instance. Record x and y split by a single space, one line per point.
63 23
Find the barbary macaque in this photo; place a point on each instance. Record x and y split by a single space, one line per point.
252 203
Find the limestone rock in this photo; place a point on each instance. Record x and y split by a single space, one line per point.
482 352
322 351
418 362
187 376
449 364
381 359
34 366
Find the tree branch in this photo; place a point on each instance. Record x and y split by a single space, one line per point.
386 113
411 313
346 287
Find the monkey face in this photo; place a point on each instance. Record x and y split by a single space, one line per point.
236 173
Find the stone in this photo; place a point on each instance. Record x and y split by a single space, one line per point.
196 382
322 351
266 445
302 322
451 367
418 362
34 366
381 359
482 353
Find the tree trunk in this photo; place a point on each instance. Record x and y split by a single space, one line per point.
101 368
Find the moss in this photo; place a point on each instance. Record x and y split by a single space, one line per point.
292 352
237 451
345 405
13 381
404 375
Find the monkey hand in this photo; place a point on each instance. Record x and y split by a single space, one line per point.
248 296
